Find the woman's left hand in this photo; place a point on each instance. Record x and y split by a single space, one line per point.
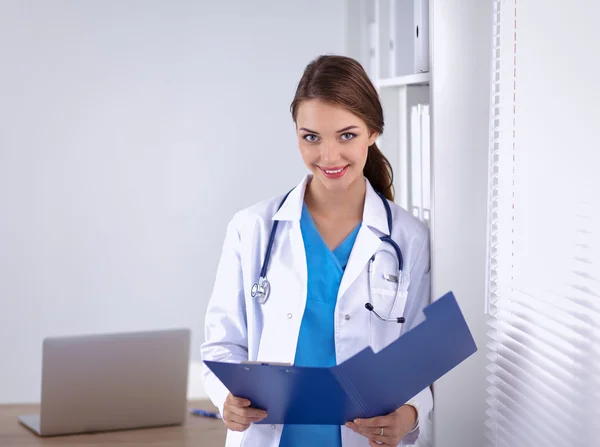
395 426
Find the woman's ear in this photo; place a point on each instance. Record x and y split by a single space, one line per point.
373 138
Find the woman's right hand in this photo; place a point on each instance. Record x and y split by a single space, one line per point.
238 415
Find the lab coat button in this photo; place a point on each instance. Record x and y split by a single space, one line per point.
289 316
346 317
273 427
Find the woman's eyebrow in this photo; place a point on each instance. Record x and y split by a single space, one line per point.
339 131
309 131
347 128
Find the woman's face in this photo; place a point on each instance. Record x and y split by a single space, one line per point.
334 143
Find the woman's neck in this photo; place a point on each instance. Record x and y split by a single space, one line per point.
347 204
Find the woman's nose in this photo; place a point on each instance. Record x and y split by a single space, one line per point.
330 153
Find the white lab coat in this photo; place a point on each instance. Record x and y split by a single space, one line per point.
238 328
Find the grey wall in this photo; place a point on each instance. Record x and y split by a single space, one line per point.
130 131
460 97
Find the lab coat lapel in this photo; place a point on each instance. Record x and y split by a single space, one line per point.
299 264
290 214
365 246
293 258
367 241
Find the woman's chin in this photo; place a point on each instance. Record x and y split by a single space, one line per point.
338 184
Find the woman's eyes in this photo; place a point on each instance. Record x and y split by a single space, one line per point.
311 138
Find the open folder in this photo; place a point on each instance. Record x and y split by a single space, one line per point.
366 385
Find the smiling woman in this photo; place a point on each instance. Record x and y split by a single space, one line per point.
328 151
321 239
334 97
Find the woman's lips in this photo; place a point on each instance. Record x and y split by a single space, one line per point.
334 172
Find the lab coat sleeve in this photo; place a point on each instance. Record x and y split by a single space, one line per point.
226 338
421 295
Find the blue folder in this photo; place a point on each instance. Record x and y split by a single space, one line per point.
366 385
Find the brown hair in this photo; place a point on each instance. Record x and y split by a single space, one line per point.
343 81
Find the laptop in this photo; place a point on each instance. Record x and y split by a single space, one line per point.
105 382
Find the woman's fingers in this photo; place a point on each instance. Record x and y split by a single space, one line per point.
379 421
379 444
234 419
241 407
372 432
250 414
387 431
238 415
237 401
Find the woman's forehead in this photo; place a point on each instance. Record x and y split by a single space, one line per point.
325 117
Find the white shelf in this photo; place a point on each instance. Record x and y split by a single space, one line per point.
401 81
390 38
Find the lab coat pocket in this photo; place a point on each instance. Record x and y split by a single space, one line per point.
389 291
389 302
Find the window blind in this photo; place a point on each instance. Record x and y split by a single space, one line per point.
543 296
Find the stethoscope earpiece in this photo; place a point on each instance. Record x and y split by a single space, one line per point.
370 308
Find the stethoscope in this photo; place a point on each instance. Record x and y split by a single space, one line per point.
262 288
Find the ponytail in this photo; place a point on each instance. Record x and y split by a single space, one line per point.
378 171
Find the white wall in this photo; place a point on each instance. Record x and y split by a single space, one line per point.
460 98
130 131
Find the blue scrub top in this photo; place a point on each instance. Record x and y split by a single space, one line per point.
316 342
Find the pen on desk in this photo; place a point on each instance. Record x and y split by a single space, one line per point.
206 414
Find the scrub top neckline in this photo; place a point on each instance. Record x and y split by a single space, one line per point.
343 250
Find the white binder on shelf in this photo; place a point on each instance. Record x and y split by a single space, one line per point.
415 162
410 27
420 163
373 71
426 162
393 35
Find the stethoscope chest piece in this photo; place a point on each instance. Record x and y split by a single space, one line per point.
261 290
